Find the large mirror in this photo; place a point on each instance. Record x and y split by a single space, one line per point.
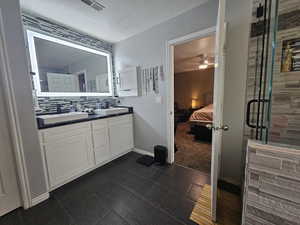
63 68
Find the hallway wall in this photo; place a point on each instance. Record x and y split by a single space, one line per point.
191 86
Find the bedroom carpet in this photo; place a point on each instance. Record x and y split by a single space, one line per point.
192 154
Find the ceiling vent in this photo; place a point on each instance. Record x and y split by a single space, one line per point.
94 4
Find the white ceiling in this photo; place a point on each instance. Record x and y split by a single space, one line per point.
188 56
118 21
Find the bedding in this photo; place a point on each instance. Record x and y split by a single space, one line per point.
204 115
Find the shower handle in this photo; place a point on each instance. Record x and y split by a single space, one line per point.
249 111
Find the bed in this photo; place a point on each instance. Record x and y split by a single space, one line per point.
200 119
203 115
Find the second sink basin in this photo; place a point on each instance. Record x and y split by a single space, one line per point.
111 111
63 117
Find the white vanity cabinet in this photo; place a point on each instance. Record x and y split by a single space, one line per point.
72 150
120 134
68 152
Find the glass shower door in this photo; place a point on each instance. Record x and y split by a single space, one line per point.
260 106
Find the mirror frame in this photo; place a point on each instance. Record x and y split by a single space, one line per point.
34 66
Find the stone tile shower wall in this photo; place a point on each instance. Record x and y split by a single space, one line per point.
53 29
272 194
272 174
285 118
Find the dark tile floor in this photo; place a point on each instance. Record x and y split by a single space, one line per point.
120 193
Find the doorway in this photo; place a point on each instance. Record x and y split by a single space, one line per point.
193 102
218 97
170 57
82 81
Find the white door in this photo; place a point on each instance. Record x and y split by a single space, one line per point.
218 125
9 193
59 82
102 83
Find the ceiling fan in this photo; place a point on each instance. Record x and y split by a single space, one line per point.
206 61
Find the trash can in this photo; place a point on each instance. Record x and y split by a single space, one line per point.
160 154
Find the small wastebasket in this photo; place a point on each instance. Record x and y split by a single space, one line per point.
160 154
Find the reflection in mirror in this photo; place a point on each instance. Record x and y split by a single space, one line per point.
68 69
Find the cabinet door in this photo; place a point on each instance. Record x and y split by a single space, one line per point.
67 155
121 134
101 141
128 82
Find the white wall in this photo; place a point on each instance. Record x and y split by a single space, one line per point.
23 94
148 49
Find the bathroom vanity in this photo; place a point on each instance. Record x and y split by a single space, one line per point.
73 148
74 143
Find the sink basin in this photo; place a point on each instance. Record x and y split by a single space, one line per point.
63 117
111 111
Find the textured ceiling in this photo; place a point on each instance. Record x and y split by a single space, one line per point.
118 21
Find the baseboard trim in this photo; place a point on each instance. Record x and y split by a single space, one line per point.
39 199
143 152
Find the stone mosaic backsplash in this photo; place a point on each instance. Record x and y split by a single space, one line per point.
46 26
272 194
49 105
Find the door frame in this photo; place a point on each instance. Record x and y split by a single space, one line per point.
170 82
14 123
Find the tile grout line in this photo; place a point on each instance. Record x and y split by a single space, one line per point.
152 204
157 183
64 209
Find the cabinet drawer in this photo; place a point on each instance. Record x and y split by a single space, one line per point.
53 134
120 119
